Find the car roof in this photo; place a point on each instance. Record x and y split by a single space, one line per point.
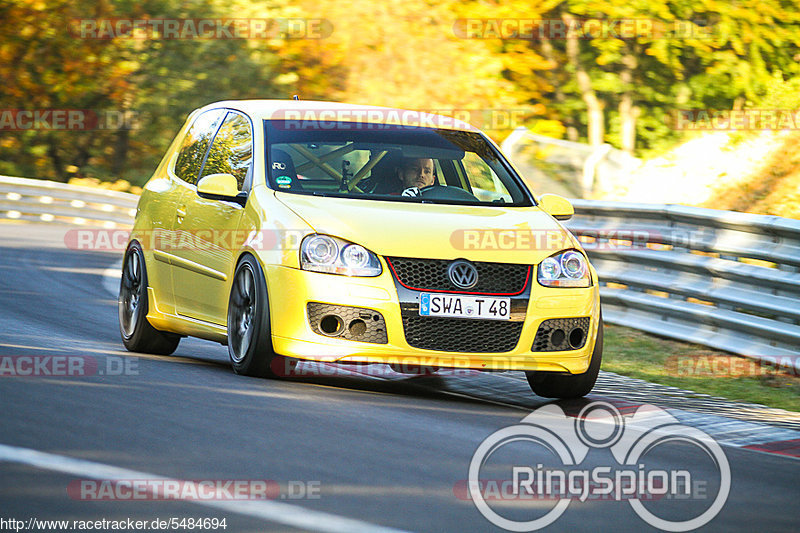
312 110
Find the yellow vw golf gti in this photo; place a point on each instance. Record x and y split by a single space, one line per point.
356 234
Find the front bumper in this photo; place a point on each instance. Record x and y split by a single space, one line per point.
291 289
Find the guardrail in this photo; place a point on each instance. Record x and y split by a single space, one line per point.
721 279
717 278
565 167
50 201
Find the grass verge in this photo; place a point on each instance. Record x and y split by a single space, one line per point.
690 366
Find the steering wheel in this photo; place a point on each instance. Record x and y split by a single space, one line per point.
441 192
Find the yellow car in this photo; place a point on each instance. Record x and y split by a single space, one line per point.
357 234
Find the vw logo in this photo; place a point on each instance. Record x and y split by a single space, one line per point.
462 274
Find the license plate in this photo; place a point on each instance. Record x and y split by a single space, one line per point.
462 306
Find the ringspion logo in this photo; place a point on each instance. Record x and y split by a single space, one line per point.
686 493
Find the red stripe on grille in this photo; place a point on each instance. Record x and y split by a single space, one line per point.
527 279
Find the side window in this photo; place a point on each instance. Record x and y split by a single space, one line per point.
195 145
232 149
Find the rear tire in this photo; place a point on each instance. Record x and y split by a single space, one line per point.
561 385
138 335
249 334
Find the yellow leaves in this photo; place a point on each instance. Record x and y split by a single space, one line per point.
550 128
118 185
9 142
287 79
519 57
400 54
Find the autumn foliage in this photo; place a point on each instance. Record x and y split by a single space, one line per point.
617 86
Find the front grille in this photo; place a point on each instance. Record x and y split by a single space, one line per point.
461 334
431 274
554 334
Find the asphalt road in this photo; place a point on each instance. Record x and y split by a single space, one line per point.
372 452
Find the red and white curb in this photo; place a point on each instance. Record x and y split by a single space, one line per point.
735 424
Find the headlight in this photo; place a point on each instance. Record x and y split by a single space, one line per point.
322 253
321 250
564 269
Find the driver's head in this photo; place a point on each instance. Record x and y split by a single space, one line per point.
415 173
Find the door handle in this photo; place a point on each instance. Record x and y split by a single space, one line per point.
181 212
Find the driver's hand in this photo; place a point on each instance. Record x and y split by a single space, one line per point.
411 191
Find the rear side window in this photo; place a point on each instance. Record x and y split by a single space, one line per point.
232 149
195 144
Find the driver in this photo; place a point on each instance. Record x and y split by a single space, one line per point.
415 174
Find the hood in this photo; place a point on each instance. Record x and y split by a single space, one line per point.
523 235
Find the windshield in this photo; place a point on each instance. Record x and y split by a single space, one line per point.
391 163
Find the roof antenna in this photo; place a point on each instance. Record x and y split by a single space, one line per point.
295 97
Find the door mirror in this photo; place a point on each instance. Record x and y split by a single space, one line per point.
221 187
557 206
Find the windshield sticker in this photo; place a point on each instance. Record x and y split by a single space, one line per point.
283 181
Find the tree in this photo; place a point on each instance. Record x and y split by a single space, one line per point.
46 64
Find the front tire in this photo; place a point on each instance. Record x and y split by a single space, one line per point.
249 334
138 335
560 385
